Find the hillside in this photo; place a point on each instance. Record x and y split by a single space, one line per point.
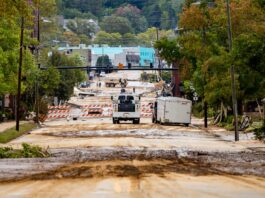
137 15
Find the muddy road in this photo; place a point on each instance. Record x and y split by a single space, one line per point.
99 159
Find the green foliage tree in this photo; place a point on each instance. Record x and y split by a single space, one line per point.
112 39
68 78
103 61
114 24
81 27
9 46
249 56
169 50
133 14
94 7
204 43
149 37
72 13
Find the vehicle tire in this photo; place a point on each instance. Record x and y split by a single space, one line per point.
117 121
136 121
187 125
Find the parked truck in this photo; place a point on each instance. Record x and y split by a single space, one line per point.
172 110
126 106
113 82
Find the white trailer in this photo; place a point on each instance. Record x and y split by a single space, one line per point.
172 110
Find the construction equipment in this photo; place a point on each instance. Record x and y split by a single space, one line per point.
113 82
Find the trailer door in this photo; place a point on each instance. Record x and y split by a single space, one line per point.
170 111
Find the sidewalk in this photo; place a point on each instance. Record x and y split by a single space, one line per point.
7 125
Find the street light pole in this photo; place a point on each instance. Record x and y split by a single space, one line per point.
232 71
19 72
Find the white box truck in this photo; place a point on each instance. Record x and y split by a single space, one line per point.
172 110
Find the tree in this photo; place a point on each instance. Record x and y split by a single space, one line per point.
249 53
82 26
68 78
204 43
70 13
169 50
133 14
112 39
103 61
71 38
153 18
114 24
9 46
94 7
129 40
149 37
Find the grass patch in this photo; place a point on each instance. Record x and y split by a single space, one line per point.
27 151
11 133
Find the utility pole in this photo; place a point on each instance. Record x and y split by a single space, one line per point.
19 72
205 104
37 83
232 71
159 61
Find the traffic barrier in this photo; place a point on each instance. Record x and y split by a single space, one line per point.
147 111
147 105
97 105
58 111
146 115
93 110
59 107
95 115
56 116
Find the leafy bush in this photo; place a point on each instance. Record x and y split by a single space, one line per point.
260 133
27 151
197 110
166 76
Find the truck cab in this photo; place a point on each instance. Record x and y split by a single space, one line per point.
126 107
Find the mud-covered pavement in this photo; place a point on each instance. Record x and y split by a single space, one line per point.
95 158
101 159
